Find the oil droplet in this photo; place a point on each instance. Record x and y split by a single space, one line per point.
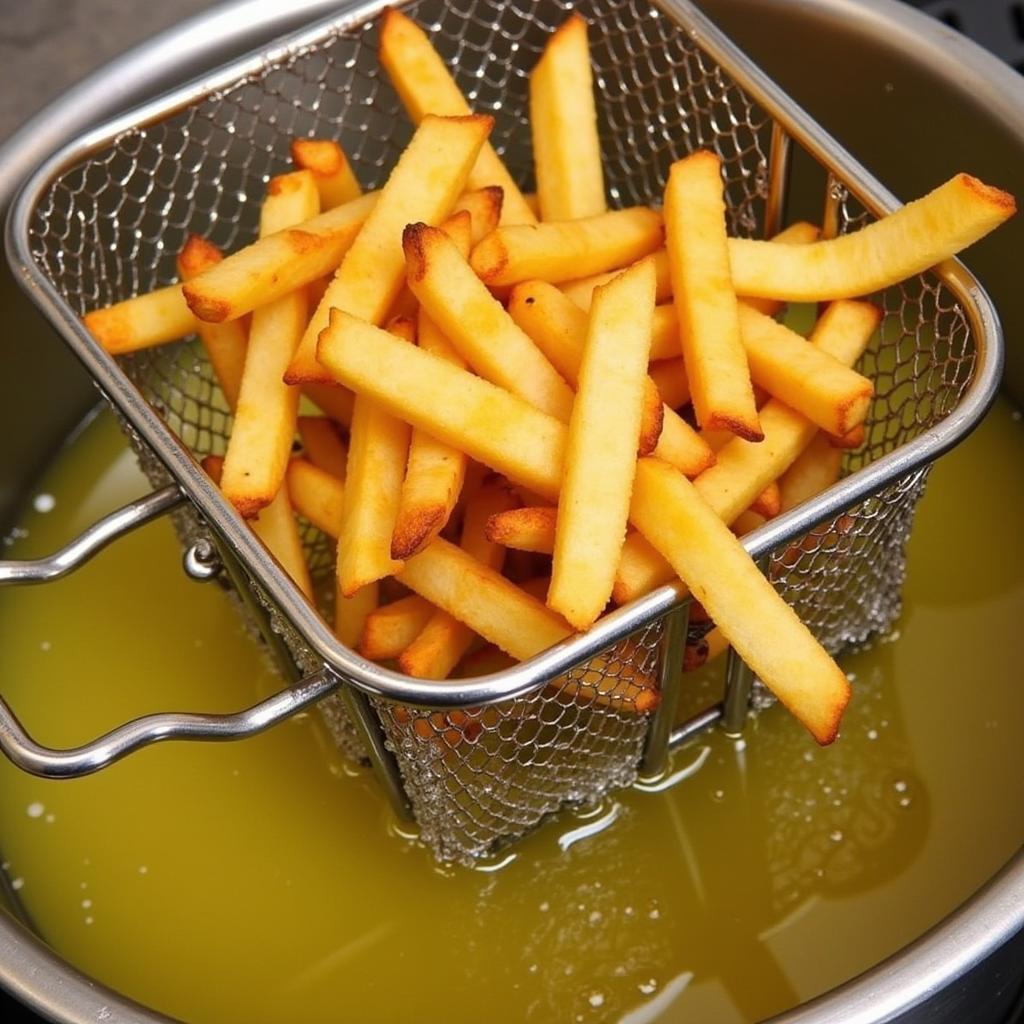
17 883
872 734
900 786
44 503
654 914
544 907
595 916
88 920
143 870
596 999
86 904
35 809
45 645
648 987
836 836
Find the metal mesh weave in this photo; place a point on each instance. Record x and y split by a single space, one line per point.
110 227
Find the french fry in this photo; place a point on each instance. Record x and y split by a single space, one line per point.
709 330
444 639
743 468
559 328
581 291
377 455
351 613
533 203
601 456
531 528
758 623
276 265
389 629
488 423
892 249
563 123
317 495
335 402
800 233
225 344
807 379
477 325
851 440
323 445
669 376
768 504
425 86
261 436
424 185
276 527
484 208
144 321
747 522
704 650
565 250
814 470
325 159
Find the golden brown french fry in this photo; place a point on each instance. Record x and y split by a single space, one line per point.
525 529
709 330
768 504
477 325
563 124
652 419
335 402
601 457
800 233
351 613
814 470
276 527
444 639
425 86
807 379
488 423
325 159
744 469
225 344
276 265
389 629
317 495
323 444
559 328
565 250
763 629
669 376
914 238
264 426
581 291
424 185
851 440
704 650
154 318
484 208
533 203
747 521
377 455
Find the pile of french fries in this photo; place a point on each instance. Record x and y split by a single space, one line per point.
522 409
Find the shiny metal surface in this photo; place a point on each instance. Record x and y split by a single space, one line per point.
929 980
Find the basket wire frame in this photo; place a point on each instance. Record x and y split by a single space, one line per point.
110 226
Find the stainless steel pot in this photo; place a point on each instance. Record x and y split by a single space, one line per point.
913 99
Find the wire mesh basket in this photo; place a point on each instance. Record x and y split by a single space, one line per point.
483 760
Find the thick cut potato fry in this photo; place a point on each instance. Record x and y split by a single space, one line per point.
142 322
484 208
424 185
748 521
377 455
323 444
477 324
807 379
907 242
601 456
425 86
669 376
390 628
444 639
709 330
225 344
326 160
351 613
488 423
851 440
559 328
335 402
800 233
744 469
581 291
562 251
768 504
317 495
264 426
525 529
277 528
563 123
814 470
763 629
276 265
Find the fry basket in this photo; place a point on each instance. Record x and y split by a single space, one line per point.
480 761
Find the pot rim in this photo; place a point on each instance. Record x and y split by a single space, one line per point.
34 973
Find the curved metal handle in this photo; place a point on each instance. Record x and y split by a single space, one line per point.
93 540
51 763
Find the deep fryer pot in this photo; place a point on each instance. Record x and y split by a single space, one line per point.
891 85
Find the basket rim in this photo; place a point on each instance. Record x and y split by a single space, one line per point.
538 671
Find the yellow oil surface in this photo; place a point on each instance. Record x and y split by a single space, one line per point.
265 880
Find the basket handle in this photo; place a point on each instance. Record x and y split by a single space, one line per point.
52 763
92 540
